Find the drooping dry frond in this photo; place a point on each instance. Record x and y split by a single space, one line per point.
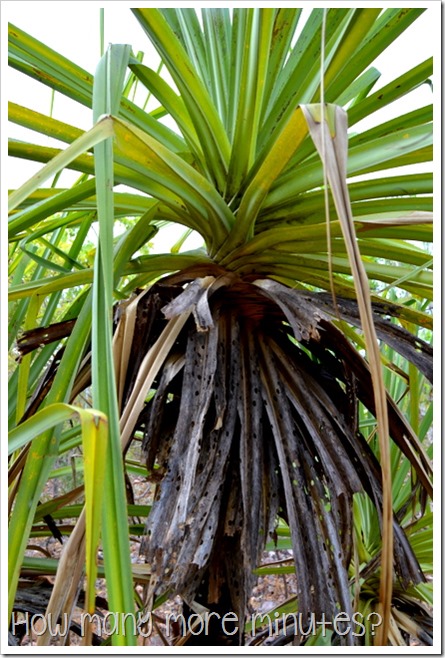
250 418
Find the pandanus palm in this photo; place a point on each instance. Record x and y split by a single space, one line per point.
246 366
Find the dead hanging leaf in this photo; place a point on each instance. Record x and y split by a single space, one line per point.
34 338
65 591
123 340
303 317
201 309
188 298
329 134
412 348
242 422
149 369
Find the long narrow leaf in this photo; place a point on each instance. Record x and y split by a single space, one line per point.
102 130
333 151
206 121
106 99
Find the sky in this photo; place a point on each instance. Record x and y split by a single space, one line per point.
73 30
